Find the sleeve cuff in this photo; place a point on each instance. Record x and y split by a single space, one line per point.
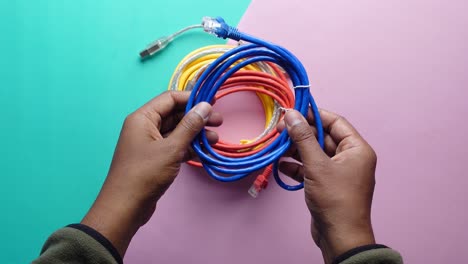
99 238
356 251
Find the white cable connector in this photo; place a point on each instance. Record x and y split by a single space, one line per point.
254 191
154 47
210 25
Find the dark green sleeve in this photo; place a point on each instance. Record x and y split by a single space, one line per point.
78 244
370 254
81 244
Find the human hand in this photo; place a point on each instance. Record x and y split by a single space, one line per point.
338 186
153 143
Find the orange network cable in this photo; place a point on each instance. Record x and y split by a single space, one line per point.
219 70
267 80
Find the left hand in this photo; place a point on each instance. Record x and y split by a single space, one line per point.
153 143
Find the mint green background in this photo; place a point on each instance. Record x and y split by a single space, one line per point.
69 74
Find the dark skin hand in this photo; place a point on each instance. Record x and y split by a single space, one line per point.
338 183
155 141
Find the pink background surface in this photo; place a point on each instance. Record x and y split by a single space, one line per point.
398 71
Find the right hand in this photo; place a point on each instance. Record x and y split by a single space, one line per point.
338 183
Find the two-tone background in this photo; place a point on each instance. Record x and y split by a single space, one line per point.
70 73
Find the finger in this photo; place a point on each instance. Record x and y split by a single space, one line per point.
341 131
215 120
330 145
170 122
291 152
280 126
190 154
337 126
293 170
168 101
330 149
190 125
163 105
303 136
212 137
310 117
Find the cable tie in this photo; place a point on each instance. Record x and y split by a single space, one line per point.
284 109
301 86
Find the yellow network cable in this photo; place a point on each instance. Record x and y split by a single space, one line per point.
266 75
190 67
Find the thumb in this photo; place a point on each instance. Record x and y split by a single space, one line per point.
304 137
191 124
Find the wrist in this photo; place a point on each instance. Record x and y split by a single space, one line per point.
113 224
118 216
337 240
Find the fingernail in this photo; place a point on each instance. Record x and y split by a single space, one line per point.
293 118
203 109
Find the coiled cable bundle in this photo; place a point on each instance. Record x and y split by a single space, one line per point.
259 66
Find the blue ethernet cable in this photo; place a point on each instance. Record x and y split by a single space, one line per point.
228 169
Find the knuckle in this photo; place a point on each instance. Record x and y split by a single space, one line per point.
130 119
371 154
167 93
341 118
338 119
136 119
